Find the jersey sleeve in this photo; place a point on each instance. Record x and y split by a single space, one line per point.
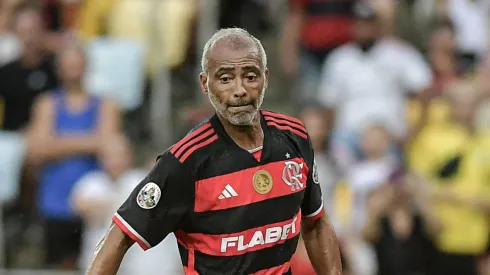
312 205
159 204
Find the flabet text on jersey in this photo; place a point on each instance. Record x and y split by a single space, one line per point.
261 237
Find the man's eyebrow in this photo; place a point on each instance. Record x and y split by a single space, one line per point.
222 69
251 68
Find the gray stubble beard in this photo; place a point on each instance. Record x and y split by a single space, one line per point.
241 119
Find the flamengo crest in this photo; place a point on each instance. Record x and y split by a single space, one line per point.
292 175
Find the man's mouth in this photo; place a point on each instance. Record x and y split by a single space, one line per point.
241 108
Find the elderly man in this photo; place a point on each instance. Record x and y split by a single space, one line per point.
238 188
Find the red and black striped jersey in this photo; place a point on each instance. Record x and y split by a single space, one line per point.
232 211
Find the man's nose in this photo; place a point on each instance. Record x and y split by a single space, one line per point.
240 90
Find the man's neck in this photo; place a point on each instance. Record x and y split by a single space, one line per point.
247 137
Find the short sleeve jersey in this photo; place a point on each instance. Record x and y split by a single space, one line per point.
231 212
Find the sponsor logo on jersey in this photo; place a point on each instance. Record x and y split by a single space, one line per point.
293 174
149 196
270 235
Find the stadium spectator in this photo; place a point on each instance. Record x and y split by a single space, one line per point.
312 29
9 44
401 225
454 157
363 177
371 172
97 195
472 39
312 117
25 78
442 57
67 129
442 54
369 79
411 20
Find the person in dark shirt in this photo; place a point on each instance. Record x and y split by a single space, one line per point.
238 189
22 80
312 30
401 226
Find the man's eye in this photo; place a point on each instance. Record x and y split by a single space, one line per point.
225 79
251 77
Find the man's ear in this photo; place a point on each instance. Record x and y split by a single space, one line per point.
203 81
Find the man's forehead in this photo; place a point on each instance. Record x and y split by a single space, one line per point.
224 54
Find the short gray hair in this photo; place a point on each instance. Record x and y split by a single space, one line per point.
235 35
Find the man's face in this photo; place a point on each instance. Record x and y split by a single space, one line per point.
366 30
235 82
442 40
315 124
29 30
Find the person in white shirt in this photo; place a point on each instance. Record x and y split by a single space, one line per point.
471 19
369 79
363 177
97 196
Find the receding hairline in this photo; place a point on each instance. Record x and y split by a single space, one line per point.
236 39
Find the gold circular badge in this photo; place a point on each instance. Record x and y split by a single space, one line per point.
262 181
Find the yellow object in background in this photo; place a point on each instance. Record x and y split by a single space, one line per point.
343 203
438 111
92 18
465 230
165 32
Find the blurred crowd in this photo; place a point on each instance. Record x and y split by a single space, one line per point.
395 95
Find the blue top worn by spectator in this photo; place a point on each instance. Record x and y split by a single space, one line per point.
58 178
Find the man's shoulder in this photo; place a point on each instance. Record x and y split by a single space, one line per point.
398 48
337 58
343 51
195 141
286 124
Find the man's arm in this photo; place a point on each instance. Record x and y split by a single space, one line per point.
322 245
155 208
110 252
318 234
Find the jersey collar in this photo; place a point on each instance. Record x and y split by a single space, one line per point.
220 130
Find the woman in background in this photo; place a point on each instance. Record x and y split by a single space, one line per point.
68 126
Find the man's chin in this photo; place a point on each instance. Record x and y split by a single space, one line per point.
242 119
